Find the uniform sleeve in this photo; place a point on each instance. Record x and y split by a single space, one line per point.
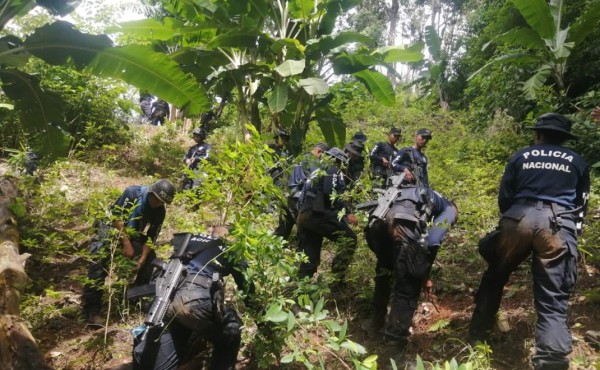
507 187
375 155
398 163
123 205
189 153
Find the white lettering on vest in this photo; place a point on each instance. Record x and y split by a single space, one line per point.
546 166
548 153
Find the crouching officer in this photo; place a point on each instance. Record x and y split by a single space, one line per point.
197 308
406 249
139 214
318 217
543 189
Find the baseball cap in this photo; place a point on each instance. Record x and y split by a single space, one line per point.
359 136
324 147
337 153
554 122
424 132
395 131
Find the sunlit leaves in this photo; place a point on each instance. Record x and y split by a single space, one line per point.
314 86
290 67
378 85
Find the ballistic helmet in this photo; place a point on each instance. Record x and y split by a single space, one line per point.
199 132
163 190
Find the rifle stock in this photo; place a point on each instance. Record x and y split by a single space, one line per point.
386 200
167 283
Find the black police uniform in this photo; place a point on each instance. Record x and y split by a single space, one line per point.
296 180
539 183
199 152
380 151
318 219
403 253
133 207
160 111
197 309
146 106
415 161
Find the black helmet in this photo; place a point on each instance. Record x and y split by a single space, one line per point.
163 190
200 132
281 132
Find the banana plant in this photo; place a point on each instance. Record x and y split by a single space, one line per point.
278 53
546 42
60 43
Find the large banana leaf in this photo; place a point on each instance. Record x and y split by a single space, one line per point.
585 24
37 107
314 86
149 28
40 111
152 71
278 99
434 43
523 37
398 54
537 81
322 47
331 125
378 85
137 65
538 16
290 67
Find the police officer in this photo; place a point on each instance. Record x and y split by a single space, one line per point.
146 106
359 137
543 188
382 155
318 217
298 176
412 161
160 111
404 252
137 209
356 161
196 153
198 308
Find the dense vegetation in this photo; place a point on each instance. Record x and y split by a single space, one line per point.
93 147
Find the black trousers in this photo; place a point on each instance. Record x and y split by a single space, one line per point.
191 312
97 270
287 218
312 228
402 266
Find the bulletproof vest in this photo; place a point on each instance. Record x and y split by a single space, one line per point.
413 204
203 252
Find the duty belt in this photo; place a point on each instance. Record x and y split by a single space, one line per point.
540 204
197 279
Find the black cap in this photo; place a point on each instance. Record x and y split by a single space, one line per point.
424 132
555 122
359 137
395 131
355 147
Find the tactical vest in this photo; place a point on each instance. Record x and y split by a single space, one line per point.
413 204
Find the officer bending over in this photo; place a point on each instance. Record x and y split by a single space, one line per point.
318 218
198 308
402 251
138 208
543 189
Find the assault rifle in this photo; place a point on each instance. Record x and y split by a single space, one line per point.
167 283
385 200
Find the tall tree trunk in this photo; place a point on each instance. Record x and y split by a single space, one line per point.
393 13
18 348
